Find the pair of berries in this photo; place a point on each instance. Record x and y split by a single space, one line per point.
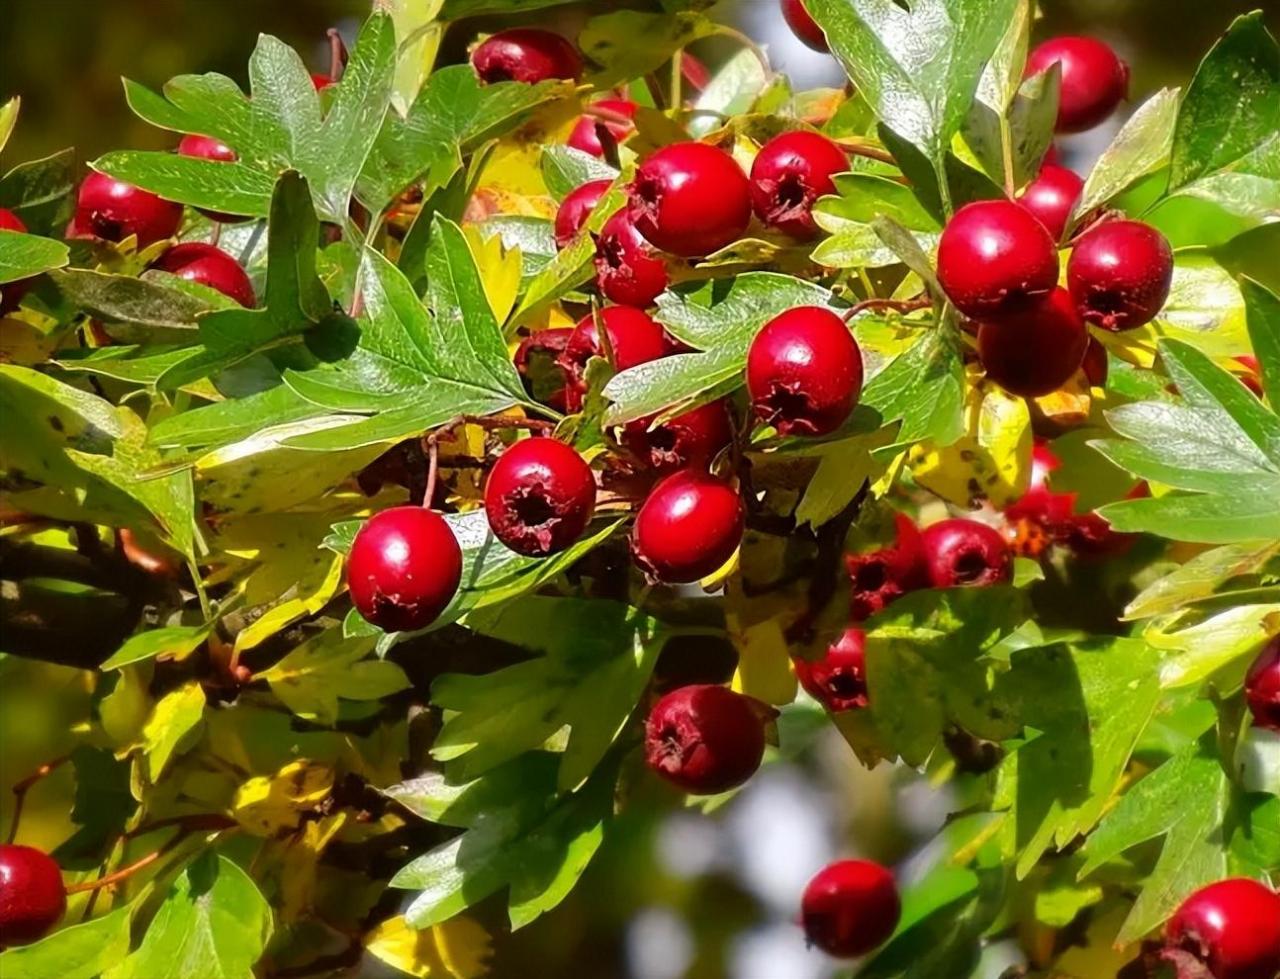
1230 928
32 896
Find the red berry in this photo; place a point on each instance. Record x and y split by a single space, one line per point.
838 681
320 82
850 907
208 148
114 210
692 439
1034 351
576 208
804 372
210 266
886 574
10 221
1232 927
960 553
994 258
690 199
705 738
1052 196
539 497
1094 80
32 895
526 54
803 25
585 136
537 362
1262 686
628 269
1039 505
633 337
1119 274
789 174
687 528
1251 376
404 568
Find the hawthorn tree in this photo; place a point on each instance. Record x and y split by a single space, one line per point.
364 452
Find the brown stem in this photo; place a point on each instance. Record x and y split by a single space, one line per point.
21 788
125 872
431 442
433 470
607 115
655 91
870 152
898 305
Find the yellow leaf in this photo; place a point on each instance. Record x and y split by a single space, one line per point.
267 804
499 271
288 612
764 659
459 948
300 864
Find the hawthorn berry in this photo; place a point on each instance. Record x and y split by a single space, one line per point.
1034 351
886 574
586 136
208 148
688 527
634 338
32 896
197 261
705 738
112 209
1040 514
628 269
1262 686
404 568
537 362
803 25
850 907
789 174
10 221
576 208
691 439
995 257
1094 79
804 371
1231 927
963 553
1052 196
539 497
690 199
838 681
526 54
1119 274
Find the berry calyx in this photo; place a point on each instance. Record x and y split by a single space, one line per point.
804 372
526 54
690 199
112 209
1094 80
208 148
688 527
1119 274
1232 927
539 497
789 174
32 896
634 339
629 270
886 574
197 261
803 25
838 681
1262 687
705 738
576 208
850 907
1034 351
691 439
586 136
965 553
1052 196
404 568
994 258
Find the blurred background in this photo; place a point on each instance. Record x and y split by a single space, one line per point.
675 893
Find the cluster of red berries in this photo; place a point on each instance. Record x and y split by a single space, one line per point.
32 896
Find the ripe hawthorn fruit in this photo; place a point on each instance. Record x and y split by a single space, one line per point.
690 199
634 339
690 439
850 907
576 208
208 148
1119 274
1262 687
1232 927
1094 79
526 54
539 496
629 270
996 258
113 210
803 25
197 261
838 681
586 136
1051 196
32 896
965 553
688 527
705 738
789 174
10 221
886 574
404 568
1034 351
537 362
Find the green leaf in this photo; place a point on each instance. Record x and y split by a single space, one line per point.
8 119
1015 142
1200 578
311 678
1204 307
458 9
731 92
39 191
103 804
1141 147
843 467
924 388
176 640
629 44
848 219
128 299
80 951
172 728
1262 311
22 255
564 169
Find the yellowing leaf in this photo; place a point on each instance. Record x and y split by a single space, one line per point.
267 804
300 864
172 727
499 271
126 708
459 948
313 676
764 660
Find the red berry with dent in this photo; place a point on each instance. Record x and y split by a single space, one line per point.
404 568
1034 351
537 362
804 372
1052 196
32 895
994 258
586 137
789 174
688 527
634 338
539 497
1119 274
208 148
880 577
1262 686
576 208
114 210
526 54
803 25
690 439
705 738
690 199
838 680
629 270
1094 80
210 266
960 553
850 907
1232 927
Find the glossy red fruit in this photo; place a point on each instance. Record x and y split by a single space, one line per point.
320 82
576 208
1119 274
10 221
197 261
1262 686
995 258
880 577
705 738
526 54
690 199
114 210
536 361
404 568
629 270
803 25
960 553
1232 927
804 372
1094 80
208 148
691 439
539 497
1052 196
1039 505
32 895
850 907
688 527
634 338
1034 351
585 135
789 174
838 681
